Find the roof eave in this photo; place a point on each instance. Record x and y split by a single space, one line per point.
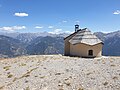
89 44
69 35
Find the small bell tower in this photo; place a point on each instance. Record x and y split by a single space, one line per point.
76 27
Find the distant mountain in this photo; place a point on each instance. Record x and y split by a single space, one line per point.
43 34
26 38
100 35
46 45
111 43
13 34
10 47
16 44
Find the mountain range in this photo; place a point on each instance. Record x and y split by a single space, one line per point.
10 47
111 41
17 44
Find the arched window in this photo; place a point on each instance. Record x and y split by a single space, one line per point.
90 52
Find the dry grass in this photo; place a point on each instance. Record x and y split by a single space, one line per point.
10 76
27 88
1 87
27 74
113 65
6 68
22 64
80 89
115 77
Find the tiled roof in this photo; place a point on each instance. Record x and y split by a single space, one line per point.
85 36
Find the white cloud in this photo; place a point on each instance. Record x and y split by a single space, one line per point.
56 31
59 31
64 21
77 22
38 27
21 14
116 12
69 32
13 28
107 32
50 27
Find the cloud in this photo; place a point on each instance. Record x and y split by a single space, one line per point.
106 32
50 27
38 27
13 28
64 21
77 22
69 32
116 12
56 31
21 14
59 31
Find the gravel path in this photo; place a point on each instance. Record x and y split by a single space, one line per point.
56 72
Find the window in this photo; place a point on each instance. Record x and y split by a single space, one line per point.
90 52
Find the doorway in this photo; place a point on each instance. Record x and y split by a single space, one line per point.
90 52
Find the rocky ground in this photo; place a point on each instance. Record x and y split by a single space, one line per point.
56 72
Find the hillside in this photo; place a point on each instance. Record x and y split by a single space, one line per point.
111 43
10 47
46 45
56 72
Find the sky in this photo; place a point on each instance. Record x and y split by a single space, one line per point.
58 16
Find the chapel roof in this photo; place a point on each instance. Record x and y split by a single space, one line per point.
85 36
